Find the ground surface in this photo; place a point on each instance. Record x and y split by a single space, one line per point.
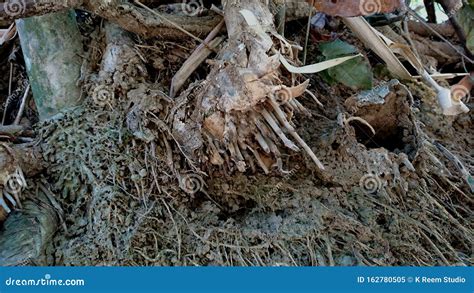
392 199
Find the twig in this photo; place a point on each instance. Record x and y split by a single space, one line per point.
280 19
178 235
288 143
292 131
308 28
406 33
22 106
9 94
457 27
217 10
169 21
10 80
7 34
457 163
196 58
314 98
361 120
11 129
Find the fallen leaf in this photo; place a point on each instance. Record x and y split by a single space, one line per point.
354 73
315 68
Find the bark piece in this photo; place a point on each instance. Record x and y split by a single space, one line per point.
350 8
123 13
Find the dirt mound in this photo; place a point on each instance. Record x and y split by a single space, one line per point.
123 204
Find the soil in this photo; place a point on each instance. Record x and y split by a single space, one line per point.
131 196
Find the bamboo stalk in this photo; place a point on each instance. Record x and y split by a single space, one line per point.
52 49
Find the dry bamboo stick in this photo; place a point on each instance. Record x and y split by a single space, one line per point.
273 124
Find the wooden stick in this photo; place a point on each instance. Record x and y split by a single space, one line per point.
439 35
12 130
22 106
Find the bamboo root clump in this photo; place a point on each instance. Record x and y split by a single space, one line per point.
243 108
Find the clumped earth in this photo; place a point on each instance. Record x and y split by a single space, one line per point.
130 195
404 206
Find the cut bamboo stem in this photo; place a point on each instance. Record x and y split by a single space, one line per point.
52 49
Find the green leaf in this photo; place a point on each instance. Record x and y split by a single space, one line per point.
336 48
355 73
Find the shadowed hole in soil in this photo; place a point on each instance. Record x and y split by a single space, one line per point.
391 120
390 138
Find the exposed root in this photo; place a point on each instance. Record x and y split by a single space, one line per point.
116 164
12 181
243 101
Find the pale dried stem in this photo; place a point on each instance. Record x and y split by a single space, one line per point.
281 116
314 98
263 144
259 160
273 124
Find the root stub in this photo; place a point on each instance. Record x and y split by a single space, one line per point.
243 102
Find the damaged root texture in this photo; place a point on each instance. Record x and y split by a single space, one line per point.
242 112
113 165
104 158
26 232
122 205
105 176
